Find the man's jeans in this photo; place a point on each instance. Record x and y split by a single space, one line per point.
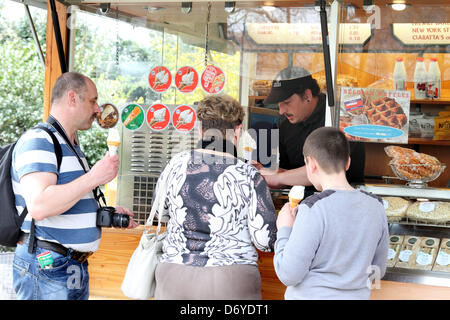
66 280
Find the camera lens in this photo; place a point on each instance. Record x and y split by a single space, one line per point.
120 220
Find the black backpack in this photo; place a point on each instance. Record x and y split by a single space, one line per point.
10 221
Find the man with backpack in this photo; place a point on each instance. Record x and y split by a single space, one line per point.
57 188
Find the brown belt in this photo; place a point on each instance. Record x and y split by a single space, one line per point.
59 248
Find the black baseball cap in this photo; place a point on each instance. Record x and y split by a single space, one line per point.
287 82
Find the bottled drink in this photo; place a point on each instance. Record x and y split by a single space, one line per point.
434 80
399 75
420 80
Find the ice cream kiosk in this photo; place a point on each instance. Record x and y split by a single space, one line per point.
385 68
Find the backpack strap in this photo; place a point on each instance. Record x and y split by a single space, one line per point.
58 153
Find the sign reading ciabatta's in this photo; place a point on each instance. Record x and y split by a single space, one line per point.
422 33
305 33
374 115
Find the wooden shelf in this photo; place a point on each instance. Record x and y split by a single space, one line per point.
445 100
429 141
257 97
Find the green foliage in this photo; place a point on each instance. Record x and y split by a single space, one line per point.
21 81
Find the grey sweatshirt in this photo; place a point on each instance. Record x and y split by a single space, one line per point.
338 239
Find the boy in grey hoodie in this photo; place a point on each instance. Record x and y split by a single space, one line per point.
337 238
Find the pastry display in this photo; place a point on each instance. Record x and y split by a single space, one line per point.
442 262
261 87
395 243
408 252
395 208
343 80
426 254
410 165
436 212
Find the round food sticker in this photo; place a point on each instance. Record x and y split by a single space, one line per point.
158 117
160 79
213 79
132 116
183 118
186 79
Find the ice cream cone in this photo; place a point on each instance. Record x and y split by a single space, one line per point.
247 154
294 202
113 141
296 195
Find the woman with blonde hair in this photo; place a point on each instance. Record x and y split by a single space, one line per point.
220 209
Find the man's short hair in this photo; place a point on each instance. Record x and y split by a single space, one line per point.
69 81
330 148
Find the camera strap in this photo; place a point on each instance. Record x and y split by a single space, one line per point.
98 194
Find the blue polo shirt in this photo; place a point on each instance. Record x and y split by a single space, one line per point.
76 228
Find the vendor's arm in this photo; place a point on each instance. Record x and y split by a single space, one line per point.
283 178
296 246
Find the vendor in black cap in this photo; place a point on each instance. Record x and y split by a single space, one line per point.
303 106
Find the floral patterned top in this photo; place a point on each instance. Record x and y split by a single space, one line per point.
219 209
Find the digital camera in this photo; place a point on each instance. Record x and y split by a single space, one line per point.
108 217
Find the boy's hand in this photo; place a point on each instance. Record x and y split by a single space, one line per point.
286 216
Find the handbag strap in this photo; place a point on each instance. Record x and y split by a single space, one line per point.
160 200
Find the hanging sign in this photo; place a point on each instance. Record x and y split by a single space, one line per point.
158 117
422 33
132 116
306 33
160 79
213 79
183 118
186 79
375 115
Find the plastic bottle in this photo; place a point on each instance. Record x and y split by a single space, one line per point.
420 80
434 80
399 75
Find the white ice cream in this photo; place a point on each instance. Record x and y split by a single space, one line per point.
113 141
296 195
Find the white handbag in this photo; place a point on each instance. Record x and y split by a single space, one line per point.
139 281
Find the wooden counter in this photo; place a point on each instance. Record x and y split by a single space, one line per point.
108 265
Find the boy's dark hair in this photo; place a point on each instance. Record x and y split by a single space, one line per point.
330 148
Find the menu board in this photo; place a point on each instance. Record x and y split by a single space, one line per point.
422 33
306 33
374 115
